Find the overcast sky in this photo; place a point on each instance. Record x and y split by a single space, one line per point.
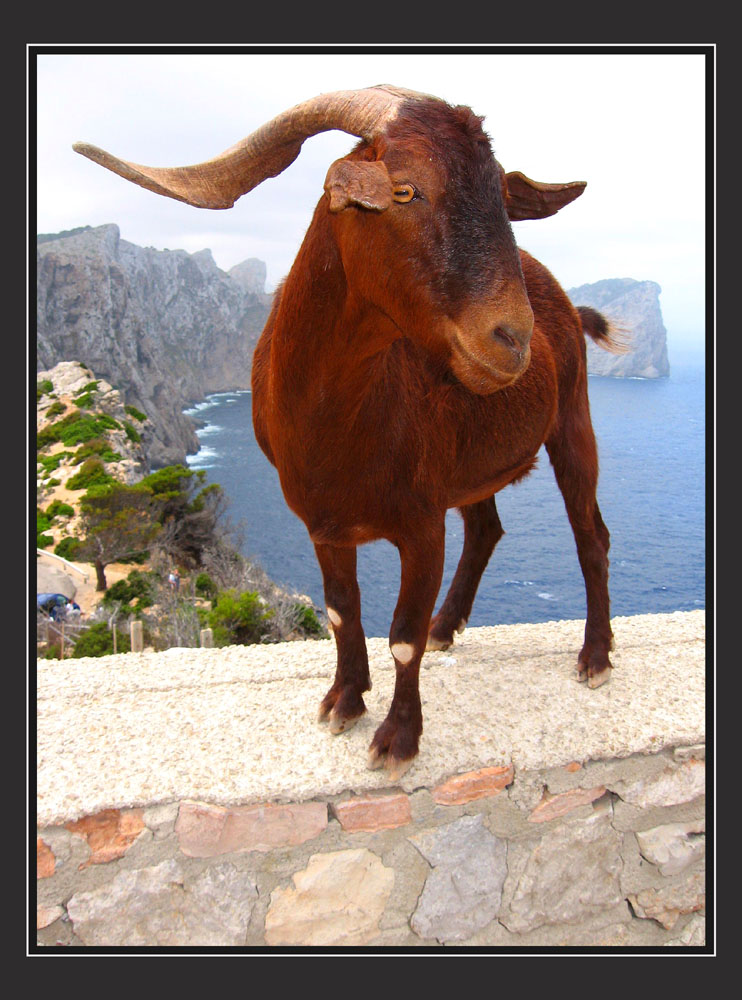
632 126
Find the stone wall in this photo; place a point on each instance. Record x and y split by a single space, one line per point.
607 853
589 848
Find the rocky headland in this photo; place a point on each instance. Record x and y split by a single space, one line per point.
634 308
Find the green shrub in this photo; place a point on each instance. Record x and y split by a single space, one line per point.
239 618
51 462
98 641
59 509
43 387
76 428
90 387
137 414
43 523
133 435
92 473
137 590
205 586
67 548
307 620
56 409
97 446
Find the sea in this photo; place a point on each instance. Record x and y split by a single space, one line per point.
651 437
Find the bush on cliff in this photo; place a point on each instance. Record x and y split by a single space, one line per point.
239 618
92 473
98 641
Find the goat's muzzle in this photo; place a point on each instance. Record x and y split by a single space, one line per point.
486 355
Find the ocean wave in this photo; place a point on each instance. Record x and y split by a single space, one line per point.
203 459
198 407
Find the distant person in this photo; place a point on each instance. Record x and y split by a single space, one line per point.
174 579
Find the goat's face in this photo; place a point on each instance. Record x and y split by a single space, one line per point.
423 232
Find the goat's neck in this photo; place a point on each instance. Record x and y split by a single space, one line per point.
331 345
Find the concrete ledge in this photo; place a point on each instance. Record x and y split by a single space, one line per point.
238 725
567 815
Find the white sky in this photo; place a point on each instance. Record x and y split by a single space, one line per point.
632 126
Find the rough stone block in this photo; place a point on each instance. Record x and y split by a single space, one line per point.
666 904
160 819
473 785
552 806
674 846
205 830
570 875
46 915
463 892
673 786
692 935
337 899
45 862
157 907
109 833
370 813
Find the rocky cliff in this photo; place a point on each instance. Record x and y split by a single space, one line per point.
634 306
165 326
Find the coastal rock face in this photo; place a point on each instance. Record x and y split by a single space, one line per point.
69 380
165 326
635 308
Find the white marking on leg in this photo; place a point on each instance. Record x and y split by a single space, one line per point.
334 617
403 651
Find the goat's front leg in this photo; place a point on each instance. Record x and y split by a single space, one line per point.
396 741
343 704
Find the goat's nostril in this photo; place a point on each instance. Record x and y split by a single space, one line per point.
502 334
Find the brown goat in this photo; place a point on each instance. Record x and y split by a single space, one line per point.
413 361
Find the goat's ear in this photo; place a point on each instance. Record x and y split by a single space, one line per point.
353 182
527 199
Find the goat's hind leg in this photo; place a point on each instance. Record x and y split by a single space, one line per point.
482 532
343 704
574 456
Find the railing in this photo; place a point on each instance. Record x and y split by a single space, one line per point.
51 555
66 632
63 632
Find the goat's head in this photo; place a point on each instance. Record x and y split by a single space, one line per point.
421 212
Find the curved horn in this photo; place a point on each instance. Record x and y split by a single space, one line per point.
219 182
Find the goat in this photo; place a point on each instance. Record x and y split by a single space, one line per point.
414 360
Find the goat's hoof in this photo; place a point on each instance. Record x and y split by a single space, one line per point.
395 768
435 644
593 680
339 724
597 679
341 710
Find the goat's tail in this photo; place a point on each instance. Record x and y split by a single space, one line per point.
606 333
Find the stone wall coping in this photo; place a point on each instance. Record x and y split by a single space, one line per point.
238 726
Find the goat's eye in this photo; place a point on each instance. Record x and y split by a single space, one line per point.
404 192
